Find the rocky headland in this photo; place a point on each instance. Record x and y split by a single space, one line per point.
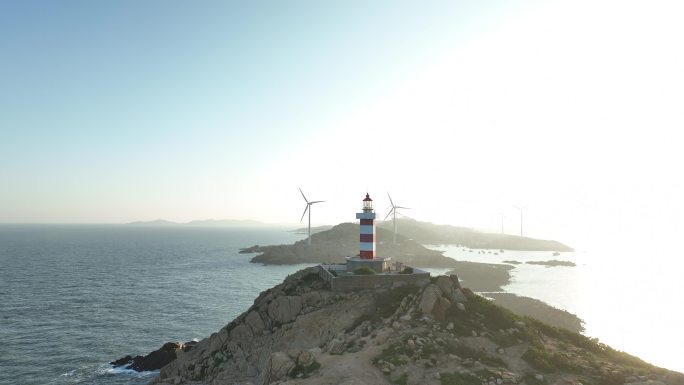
433 333
342 241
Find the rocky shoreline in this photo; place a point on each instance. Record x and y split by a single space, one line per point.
156 359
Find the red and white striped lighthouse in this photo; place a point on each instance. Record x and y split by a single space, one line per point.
367 229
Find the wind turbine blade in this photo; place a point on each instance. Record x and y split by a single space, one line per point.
306 208
388 214
300 190
402 207
390 198
312 202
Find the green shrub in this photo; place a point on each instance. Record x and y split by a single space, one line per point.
304 370
310 279
495 317
531 379
407 270
464 351
364 270
539 359
393 354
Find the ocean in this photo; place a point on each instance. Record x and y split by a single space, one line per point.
74 297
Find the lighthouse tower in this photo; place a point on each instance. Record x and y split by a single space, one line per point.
367 229
367 258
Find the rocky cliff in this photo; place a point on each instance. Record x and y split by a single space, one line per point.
435 333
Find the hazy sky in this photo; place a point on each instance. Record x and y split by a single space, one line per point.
136 110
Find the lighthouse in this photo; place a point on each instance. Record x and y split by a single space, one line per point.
367 258
366 229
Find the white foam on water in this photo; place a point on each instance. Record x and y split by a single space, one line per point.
121 370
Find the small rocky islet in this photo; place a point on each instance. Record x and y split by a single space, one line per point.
436 332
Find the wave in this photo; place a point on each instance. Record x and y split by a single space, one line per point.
129 372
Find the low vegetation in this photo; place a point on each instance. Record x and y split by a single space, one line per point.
459 379
364 270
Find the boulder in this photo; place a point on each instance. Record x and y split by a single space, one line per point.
312 298
440 308
279 366
458 296
455 281
429 298
285 309
445 284
241 332
153 361
305 359
121 361
336 346
254 321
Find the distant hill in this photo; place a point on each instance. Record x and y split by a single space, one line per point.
314 230
428 233
203 222
156 222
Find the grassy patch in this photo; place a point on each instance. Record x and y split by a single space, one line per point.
539 359
459 379
468 352
394 354
401 380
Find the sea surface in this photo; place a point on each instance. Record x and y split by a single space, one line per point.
74 297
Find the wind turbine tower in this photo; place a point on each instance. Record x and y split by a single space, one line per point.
308 208
393 212
521 218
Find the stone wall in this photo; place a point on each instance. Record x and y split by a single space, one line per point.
353 282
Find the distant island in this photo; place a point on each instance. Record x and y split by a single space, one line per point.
203 222
553 262
428 233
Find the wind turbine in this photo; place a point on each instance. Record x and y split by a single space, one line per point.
502 222
521 218
393 211
308 208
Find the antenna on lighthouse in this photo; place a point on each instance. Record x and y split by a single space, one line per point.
393 211
308 208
